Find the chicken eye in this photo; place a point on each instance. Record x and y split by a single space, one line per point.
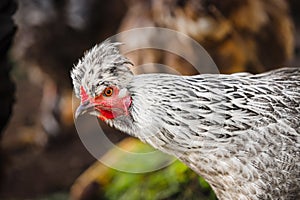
108 92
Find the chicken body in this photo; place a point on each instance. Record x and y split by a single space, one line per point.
241 132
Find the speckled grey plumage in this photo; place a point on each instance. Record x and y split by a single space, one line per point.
241 132
101 66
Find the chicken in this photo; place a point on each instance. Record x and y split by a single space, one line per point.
241 132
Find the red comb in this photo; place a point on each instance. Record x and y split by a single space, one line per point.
84 96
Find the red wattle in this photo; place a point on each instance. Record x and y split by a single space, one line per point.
106 114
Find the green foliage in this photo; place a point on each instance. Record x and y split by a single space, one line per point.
173 182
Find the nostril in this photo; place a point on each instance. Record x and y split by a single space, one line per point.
84 107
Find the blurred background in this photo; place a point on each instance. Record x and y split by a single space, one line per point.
42 156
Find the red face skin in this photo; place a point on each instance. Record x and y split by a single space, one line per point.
109 106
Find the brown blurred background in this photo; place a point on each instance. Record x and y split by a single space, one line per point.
41 153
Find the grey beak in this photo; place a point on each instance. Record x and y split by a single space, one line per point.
83 108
